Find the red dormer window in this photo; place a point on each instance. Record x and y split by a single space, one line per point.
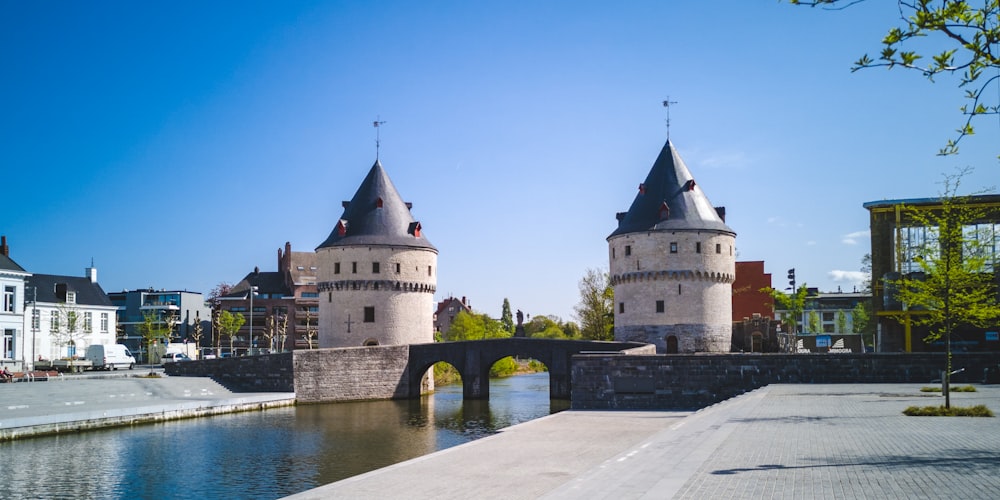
664 211
642 189
415 229
378 203
690 185
341 227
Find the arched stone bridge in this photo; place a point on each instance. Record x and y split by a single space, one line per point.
474 358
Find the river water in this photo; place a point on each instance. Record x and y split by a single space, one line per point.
266 454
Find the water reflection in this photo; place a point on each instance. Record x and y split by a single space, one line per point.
263 454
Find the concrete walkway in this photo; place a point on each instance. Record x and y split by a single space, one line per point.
782 441
78 402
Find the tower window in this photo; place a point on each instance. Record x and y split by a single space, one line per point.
673 247
336 268
621 307
697 247
659 306
612 252
678 289
628 250
397 268
369 314
429 271
354 267
718 248
375 268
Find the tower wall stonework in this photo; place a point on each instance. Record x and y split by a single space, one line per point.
694 284
401 293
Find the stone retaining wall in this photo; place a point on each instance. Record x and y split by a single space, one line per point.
696 381
351 374
266 373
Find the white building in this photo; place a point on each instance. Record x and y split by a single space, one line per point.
12 324
672 264
377 272
69 313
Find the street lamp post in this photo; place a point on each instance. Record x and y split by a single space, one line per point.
34 311
253 291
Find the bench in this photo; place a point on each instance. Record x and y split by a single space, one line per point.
32 376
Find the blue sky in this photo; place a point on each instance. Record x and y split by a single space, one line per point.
180 144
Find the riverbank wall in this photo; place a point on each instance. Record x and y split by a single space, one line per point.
687 382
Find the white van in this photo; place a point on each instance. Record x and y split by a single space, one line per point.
110 357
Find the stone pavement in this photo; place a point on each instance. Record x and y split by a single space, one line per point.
781 441
76 402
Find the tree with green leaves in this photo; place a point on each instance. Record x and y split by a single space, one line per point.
152 331
815 326
841 322
792 305
955 286
861 322
595 311
962 38
506 318
229 326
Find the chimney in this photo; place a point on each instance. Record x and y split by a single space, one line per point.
463 300
91 272
4 249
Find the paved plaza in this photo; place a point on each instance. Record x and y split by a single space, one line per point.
781 441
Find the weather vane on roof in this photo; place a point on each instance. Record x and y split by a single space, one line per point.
376 123
666 104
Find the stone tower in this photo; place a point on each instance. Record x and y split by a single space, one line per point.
377 272
672 264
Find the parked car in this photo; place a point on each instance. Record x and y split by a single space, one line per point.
172 357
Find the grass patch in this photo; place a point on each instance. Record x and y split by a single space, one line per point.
954 411
957 388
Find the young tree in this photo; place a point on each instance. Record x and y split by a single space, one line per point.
965 38
197 332
67 322
956 284
151 331
841 322
271 330
311 332
794 304
815 326
506 318
229 325
595 311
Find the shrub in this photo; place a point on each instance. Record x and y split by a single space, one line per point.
941 411
963 388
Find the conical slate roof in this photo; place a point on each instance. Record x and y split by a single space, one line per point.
377 215
670 200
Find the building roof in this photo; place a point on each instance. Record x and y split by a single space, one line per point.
271 283
8 264
670 200
973 199
377 215
87 292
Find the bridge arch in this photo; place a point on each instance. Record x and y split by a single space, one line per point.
473 360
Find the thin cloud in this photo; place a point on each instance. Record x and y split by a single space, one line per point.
852 238
856 277
736 160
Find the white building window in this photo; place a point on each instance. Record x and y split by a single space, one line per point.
88 322
8 299
36 320
104 322
54 322
71 297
